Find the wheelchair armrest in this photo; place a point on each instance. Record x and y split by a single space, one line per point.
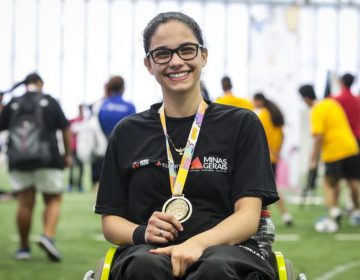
281 266
107 263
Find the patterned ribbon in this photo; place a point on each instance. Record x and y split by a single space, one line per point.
177 182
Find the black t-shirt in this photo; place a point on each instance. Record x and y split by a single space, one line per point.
230 161
53 118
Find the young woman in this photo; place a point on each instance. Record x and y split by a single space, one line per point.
183 183
273 121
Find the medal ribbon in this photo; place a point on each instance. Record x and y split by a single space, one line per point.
177 182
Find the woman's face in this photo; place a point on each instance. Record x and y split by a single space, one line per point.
176 76
258 103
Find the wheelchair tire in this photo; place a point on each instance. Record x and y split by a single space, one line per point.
99 269
289 270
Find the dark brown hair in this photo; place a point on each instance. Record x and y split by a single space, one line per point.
167 17
277 117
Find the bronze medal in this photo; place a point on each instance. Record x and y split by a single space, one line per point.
178 206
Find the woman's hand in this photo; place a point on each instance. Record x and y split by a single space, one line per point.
162 228
182 255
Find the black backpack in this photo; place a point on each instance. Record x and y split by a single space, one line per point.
28 146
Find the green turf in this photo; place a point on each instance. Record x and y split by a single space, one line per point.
315 254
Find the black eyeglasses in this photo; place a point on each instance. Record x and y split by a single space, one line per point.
186 51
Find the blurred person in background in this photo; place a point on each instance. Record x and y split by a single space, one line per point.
228 98
114 107
4 194
350 104
337 144
92 143
106 113
77 166
273 121
38 115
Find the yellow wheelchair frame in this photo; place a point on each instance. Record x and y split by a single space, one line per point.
282 266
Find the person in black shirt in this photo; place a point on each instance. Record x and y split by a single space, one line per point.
183 183
30 175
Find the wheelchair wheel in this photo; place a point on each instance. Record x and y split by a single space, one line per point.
99 269
89 275
289 270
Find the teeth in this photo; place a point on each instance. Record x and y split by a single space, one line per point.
178 75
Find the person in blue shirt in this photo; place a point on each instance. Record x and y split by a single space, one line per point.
114 107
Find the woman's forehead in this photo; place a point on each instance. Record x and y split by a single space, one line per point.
172 34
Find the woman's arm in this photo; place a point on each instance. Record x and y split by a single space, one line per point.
315 151
236 228
118 230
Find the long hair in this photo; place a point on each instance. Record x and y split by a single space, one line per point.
29 79
276 115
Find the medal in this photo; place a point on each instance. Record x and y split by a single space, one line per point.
178 206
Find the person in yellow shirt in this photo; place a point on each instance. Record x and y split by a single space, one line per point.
273 121
337 144
228 98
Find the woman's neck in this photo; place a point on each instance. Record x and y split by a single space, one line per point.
182 105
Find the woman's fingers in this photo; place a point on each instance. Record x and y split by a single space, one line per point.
180 265
169 219
161 228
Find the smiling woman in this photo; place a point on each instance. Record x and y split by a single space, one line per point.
173 72
192 213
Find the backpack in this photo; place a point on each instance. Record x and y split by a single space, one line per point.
28 147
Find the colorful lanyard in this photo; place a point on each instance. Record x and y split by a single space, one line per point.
177 182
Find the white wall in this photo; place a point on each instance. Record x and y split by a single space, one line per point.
77 44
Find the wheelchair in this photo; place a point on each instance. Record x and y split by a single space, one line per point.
283 267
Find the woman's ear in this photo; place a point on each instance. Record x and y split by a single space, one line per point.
148 65
204 55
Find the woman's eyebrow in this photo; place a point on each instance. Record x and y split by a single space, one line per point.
167 48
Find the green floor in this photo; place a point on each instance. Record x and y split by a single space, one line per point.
79 238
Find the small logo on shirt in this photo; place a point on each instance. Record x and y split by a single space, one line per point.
141 163
196 164
210 163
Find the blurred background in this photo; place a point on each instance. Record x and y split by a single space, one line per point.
270 46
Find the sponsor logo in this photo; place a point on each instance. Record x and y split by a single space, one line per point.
148 162
204 164
196 164
210 163
141 163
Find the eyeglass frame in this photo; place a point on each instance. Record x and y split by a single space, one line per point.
176 50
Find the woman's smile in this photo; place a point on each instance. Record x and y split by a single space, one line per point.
178 76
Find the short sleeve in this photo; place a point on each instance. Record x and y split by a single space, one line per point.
253 175
5 117
316 119
61 120
113 188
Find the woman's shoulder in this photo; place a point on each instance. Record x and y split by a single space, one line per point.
143 121
140 117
